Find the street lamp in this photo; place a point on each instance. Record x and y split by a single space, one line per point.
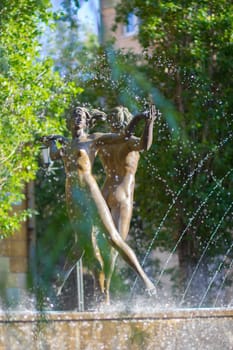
45 155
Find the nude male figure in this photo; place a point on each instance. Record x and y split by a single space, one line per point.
120 162
85 202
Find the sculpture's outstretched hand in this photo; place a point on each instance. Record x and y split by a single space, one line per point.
152 113
47 140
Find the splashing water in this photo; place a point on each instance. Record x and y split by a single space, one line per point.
204 251
176 197
190 222
215 275
230 304
223 282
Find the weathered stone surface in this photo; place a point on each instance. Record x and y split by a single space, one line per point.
13 248
168 330
18 265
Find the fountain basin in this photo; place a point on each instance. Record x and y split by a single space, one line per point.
163 329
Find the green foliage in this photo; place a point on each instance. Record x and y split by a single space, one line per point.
32 98
188 46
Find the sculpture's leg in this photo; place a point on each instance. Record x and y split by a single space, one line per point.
121 215
112 234
100 273
129 256
113 256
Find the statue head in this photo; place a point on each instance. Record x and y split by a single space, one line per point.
78 119
118 118
81 118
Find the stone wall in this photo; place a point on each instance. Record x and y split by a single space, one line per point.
14 262
168 330
14 254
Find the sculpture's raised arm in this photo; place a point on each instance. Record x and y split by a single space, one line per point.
146 139
109 139
130 128
147 136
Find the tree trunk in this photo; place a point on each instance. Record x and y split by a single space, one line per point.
193 280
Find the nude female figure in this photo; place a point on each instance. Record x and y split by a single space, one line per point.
85 202
120 163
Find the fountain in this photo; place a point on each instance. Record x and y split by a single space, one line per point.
136 321
180 235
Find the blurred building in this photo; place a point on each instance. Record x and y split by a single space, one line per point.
125 35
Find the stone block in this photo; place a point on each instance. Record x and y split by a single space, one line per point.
18 264
4 264
21 280
20 234
13 248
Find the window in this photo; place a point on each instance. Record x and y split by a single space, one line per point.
132 24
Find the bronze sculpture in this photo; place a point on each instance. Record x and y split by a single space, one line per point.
85 202
120 163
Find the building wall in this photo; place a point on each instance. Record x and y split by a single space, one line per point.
14 254
14 261
122 40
